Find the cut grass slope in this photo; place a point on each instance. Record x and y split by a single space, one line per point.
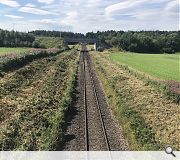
148 119
33 101
163 66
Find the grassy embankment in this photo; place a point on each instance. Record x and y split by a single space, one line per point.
148 119
160 70
33 101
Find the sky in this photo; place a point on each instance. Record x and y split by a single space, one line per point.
89 15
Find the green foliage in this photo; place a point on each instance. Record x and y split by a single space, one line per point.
49 42
100 49
15 39
36 44
140 41
142 131
44 33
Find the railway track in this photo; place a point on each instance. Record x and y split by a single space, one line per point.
102 130
92 126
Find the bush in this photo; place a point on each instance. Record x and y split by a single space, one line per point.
35 44
168 50
100 49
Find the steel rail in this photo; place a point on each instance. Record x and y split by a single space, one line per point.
97 104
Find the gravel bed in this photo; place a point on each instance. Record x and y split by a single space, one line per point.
74 137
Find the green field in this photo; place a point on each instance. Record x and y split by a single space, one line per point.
4 50
163 66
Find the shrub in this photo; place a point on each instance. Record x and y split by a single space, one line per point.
35 44
100 49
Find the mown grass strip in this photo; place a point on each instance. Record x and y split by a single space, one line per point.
139 134
17 61
37 126
161 86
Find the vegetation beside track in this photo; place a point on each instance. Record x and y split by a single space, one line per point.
159 70
14 61
32 112
148 119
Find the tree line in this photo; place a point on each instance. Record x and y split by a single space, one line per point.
134 41
15 39
140 41
57 34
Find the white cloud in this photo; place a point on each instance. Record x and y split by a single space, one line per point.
124 5
30 5
36 11
46 1
93 3
127 6
172 6
13 16
44 21
72 15
70 18
93 15
10 3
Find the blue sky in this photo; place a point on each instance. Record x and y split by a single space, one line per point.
89 15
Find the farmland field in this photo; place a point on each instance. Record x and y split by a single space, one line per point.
162 66
4 50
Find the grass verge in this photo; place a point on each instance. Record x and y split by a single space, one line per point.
36 124
143 112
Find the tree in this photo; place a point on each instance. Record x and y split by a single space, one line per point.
15 39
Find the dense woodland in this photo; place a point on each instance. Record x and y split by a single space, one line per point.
142 41
57 34
134 41
15 39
